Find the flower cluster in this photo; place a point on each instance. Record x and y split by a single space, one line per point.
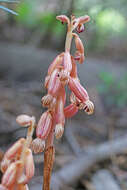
63 72
17 165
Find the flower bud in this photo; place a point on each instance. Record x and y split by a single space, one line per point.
54 83
80 28
16 148
46 100
74 100
59 129
79 44
70 110
64 76
38 145
78 89
44 125
9 178
84 19
89 107
59 112
63 19
79 56
24 120
4 164
57 62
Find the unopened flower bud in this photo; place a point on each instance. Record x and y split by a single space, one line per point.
84 19
78 89
79 56
9 178
63 19
44 125
70 110
76 101
80 28
55 64
59 114
54 83
4 164
46 100
16 148
89 107
24 120
73 98
64 76
38 145
59 129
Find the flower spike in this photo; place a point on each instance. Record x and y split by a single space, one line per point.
18 165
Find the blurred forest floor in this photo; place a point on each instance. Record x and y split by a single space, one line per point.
22 72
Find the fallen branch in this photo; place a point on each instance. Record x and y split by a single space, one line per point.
99 182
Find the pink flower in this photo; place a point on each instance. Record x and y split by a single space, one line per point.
44 125
78 89
70 110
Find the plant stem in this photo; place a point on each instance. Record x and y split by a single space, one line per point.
69 37
49 155
26 145
68 41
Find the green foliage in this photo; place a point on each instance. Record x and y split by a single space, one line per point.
113 90
110 20
32 18
107 24
27 14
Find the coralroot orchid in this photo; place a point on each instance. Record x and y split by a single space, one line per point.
17 165
61 72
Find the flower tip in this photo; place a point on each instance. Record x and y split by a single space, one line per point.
80 28
84 19
59 129
38 145
63 18
24 120
89 107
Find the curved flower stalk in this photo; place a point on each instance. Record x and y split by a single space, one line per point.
17 165
62 72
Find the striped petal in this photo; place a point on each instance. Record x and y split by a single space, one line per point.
44 125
